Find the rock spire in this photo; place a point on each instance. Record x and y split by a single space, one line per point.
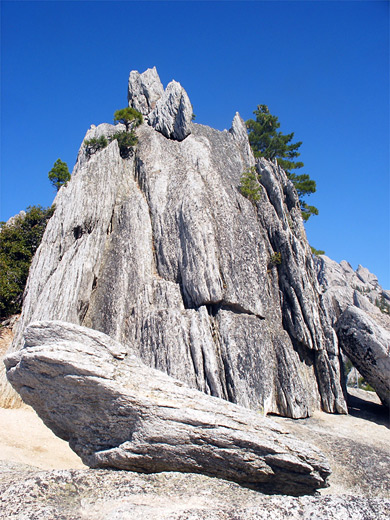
162 252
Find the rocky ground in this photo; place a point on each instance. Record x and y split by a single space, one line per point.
356 445
37 482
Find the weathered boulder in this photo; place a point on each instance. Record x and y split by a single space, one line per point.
117 413
144 90
163 253
367 344
173 113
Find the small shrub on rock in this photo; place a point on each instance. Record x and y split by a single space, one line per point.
95 144
250 186
382 305
276 258
126 143
317 252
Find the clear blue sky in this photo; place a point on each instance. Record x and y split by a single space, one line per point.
321 67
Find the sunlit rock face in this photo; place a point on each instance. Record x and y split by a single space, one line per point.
118 413
169 112
163 253
358 308
367 345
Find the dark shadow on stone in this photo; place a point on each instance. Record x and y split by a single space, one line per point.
366 409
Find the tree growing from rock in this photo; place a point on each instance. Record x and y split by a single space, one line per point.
266 141
59 174
95 144
127 116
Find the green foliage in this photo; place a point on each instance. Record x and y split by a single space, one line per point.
276 258
362 383
266 141
59 175
250 186
95 144
383 305
127 116
126 142
362 290
18 242
317 251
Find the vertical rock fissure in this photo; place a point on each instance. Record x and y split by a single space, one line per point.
217 388
141 187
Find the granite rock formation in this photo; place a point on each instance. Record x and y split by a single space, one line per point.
144 90
163 253
343 287
169 111
367 345
117 413
353 300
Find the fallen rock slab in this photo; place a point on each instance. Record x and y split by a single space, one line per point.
367 344
117 413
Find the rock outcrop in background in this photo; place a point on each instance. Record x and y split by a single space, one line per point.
359 311
163 253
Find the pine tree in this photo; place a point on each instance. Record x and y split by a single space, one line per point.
59 174
127 116
266 141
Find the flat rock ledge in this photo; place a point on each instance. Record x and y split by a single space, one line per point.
120 495
117 413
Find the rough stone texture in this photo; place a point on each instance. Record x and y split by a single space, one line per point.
351 299
240 134
169 112
8 397
173 113
144 90
115 412
342 287
118 495
163 253
368 347
356 445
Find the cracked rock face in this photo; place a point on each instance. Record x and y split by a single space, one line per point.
173 113
117 413
144 90
169 112
163 253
